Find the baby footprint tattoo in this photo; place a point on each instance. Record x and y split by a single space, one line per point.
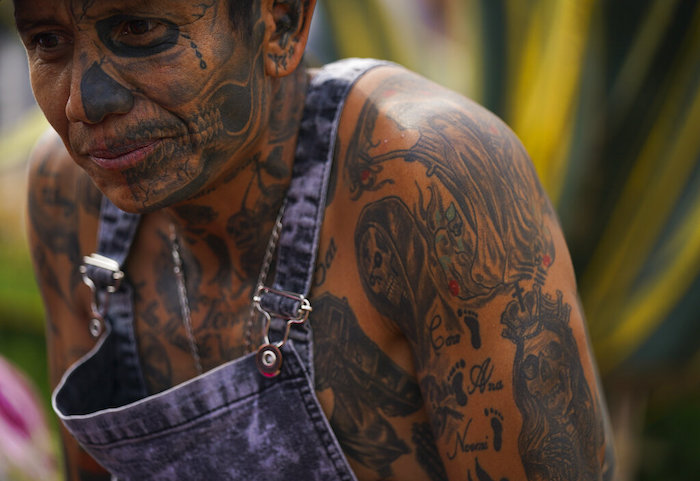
497 426
456 380
472 324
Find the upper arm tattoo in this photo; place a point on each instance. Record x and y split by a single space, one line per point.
561 434
475 228
489 232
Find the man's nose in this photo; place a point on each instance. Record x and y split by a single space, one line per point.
95 95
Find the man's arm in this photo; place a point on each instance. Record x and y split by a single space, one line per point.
458 246
63 206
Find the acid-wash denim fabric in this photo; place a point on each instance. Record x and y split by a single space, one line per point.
230 423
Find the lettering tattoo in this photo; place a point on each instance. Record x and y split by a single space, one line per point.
480 376
466 444
449 398
324 263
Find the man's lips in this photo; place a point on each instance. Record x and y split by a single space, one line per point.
123 156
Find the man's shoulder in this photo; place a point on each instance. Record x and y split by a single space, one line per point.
61 197
395 114
50 157
50 164
430 171
404 105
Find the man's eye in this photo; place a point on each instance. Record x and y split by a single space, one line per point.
47 41
138 27
48 45
141 32
130 36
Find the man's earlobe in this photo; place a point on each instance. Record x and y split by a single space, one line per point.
288 31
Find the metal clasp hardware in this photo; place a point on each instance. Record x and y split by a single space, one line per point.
269 356
98 310
302 313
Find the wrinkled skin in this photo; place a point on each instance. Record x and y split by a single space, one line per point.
137 97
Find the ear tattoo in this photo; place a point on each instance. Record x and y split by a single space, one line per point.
286 23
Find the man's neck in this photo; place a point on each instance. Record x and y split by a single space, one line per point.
239 212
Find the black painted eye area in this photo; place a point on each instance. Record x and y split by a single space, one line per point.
129 36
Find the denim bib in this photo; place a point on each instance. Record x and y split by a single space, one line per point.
231 422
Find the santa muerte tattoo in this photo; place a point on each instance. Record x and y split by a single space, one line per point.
560 436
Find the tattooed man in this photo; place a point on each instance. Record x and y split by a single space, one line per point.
432 325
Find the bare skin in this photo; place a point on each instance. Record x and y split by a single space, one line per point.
441 259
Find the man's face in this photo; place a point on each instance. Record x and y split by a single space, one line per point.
155 99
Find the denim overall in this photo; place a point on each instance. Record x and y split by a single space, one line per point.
232 422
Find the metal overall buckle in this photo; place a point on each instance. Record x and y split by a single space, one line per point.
269 355
99 309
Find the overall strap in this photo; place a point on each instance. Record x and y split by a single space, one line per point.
113 298
114 237
117 231
306 197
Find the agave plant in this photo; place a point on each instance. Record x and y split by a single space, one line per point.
26 450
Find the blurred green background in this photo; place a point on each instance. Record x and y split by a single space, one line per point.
605 95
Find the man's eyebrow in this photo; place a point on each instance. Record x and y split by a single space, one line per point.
28 23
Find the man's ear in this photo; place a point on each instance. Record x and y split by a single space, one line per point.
288 24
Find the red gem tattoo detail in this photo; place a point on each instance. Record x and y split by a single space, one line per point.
546 260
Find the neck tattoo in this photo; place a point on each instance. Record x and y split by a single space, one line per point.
183 295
